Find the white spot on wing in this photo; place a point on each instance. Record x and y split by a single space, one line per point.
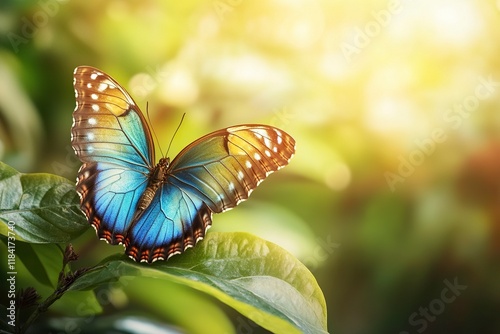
94 96
256 156
95 107
93 76
92 121
240 175
89 85
261 132
267 153
248 164
102 87
172 254
267 142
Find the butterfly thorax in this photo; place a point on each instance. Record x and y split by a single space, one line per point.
156 178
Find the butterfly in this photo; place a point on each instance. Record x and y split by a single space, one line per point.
157 210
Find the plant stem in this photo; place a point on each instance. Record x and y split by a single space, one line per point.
63 285
42 307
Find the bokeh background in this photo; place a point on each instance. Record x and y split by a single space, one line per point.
392 199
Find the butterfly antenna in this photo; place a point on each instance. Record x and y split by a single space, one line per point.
178 127
153 129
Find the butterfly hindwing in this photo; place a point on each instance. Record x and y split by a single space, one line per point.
173 222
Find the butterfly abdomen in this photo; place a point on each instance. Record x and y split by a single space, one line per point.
156 178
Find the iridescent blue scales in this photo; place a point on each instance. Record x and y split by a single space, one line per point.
158 210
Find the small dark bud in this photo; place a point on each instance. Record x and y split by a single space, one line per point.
28 297
69 255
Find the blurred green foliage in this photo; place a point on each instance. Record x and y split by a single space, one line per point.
395 186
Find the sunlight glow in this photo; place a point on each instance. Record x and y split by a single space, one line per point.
179 87
456 22
389 107
338 177
390 114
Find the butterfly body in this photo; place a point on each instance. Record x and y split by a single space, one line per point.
158 210
156 178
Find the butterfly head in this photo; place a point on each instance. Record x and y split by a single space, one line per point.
164 162
158 174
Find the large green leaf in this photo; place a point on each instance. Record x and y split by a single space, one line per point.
39 208
144 291
255 277
43 261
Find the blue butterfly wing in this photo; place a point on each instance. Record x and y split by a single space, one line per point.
213 174
173 222
110 136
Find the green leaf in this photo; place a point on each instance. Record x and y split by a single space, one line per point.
78 303
39 208
255 277
42 261
144 292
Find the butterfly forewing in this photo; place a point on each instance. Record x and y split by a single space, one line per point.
222 168
106 121
111 138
